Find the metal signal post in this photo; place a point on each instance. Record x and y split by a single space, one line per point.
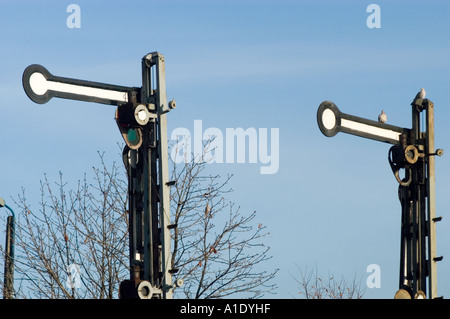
418 258
146 160
141 116
413 151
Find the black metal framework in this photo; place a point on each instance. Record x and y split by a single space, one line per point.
412 151
148 189
141 119
418 270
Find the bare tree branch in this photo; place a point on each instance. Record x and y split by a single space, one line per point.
216 248
314 286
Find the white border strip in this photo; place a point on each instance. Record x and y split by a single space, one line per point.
369 129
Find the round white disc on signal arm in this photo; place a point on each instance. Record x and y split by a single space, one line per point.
38 83
328 119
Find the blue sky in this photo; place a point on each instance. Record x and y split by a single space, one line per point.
264 64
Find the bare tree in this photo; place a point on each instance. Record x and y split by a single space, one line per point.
314 286
75 244
216 248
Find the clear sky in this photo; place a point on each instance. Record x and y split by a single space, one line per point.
253 64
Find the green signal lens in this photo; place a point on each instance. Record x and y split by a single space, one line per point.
133 136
